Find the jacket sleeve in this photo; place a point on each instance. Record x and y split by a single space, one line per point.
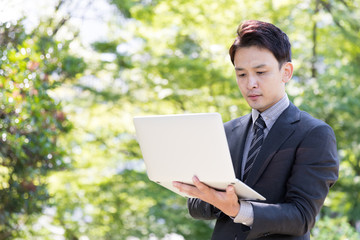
202 210
314 171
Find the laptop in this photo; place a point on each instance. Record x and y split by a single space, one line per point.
177 147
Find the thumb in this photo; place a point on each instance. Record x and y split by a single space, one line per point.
230 192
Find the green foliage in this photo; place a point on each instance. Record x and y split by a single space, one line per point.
174 59
128 205
333 93
167 56
105 47
125 6
30 125
334 229
72 66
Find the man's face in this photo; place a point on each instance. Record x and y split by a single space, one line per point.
259 78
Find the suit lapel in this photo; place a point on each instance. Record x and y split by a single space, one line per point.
281 130
237 142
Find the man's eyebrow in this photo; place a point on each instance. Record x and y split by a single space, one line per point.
260 66
257 66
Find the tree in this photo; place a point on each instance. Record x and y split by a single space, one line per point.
176 35
31 121
333 93
171 57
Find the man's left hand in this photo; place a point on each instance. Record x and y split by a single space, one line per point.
227 202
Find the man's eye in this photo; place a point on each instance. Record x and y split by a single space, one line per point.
242 75
260 73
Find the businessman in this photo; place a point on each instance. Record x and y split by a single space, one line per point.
283 153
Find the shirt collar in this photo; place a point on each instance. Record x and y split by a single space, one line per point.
271 114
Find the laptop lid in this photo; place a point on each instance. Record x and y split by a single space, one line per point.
177 147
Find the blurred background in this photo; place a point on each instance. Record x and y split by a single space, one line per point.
74 73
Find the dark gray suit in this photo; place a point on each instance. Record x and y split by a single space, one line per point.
294 170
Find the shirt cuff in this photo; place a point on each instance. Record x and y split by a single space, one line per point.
245 214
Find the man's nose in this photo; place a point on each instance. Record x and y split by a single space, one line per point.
252 82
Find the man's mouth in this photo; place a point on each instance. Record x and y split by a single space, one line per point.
253 96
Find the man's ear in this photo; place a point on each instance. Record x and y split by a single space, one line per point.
287 71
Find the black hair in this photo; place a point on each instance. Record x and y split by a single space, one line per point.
263 35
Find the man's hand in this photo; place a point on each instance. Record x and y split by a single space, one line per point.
227 201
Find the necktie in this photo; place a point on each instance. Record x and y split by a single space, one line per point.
255 146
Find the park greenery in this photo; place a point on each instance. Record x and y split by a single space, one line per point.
70 165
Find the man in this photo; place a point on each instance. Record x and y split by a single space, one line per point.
281 152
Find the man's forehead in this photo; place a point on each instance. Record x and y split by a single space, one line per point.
254 57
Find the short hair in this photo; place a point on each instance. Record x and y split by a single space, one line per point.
263 35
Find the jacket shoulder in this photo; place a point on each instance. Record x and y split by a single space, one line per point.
312 122
237 122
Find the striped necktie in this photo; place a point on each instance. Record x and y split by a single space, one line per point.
255 146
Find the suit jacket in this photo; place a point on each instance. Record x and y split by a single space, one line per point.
294 170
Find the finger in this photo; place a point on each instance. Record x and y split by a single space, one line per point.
181 185
195 179
185 188
201 186
176 184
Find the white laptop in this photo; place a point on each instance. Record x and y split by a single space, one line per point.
177 147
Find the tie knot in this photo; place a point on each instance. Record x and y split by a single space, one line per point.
259 123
